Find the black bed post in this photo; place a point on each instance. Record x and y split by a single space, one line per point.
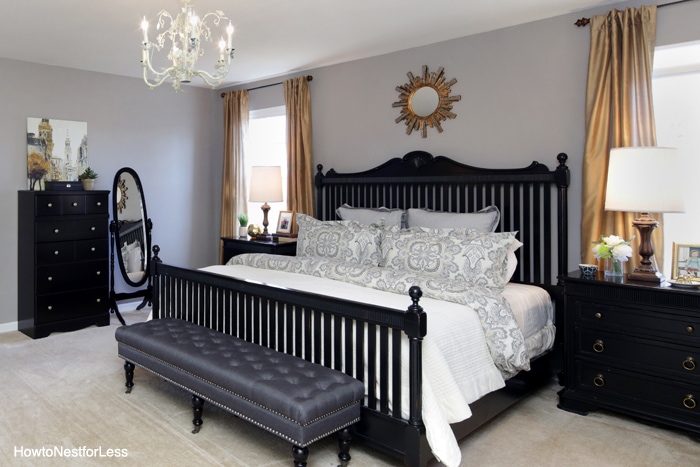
155 301
416 329
562 179
319 187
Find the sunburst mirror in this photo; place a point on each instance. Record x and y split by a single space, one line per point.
121 195
425 101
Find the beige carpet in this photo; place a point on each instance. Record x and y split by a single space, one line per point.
66 391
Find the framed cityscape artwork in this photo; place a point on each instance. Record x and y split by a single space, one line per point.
56 151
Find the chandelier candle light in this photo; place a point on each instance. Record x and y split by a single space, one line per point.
187 32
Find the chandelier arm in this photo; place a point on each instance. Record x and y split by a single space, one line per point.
160 78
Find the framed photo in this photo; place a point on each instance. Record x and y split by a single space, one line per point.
284 224
686 260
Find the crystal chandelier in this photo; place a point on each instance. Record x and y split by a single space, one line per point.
187 32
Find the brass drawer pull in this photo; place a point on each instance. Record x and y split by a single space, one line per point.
599 381
598 315
598 346
689 402
689 329
689 364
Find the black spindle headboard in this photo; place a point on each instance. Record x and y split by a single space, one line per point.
532 200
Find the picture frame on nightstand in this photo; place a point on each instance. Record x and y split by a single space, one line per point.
686 261
285 222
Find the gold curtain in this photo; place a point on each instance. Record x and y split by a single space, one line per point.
234 187
619 113
300 169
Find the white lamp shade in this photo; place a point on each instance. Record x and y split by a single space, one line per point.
266 184
644 179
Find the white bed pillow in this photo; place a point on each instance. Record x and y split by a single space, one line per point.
339 240
469 255
370 216
485 220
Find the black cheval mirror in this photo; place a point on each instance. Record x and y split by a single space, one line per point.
131 239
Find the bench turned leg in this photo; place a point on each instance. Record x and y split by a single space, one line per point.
345 437
129 372
197 405
300 456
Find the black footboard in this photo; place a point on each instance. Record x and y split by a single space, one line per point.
332 332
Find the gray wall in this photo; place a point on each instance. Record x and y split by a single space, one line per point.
523 95
164 136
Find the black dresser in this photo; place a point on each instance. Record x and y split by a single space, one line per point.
63 267
632 347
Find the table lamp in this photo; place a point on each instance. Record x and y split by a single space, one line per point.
265 186
644 180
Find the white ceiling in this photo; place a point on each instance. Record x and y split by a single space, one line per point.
272 37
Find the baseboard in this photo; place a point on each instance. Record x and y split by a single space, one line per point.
9 327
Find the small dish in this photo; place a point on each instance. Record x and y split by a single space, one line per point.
588 269
683 285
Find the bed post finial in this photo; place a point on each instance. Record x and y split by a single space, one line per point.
156 250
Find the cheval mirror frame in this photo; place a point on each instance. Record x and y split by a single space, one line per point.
130 231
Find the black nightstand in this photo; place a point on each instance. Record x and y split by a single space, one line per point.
632 347
238 246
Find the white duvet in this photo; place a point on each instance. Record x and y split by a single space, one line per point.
457 365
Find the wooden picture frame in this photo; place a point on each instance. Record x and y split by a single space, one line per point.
285 222
686 260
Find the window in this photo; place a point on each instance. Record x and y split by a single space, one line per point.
676 90
267 145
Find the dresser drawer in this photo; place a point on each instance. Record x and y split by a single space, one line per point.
54 253
630 353
95 227
62 277
91 249
640 392
637 319
96 203
62 306
54 231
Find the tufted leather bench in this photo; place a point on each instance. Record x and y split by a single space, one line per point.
297 400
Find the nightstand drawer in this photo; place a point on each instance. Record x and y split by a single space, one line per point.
637 319
633 354
640 392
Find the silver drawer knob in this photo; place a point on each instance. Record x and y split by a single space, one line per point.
55 253
689 329
50 278
92 228
75 204
49 308
92 249
99 203
50 205
689 402
689 364
598 346
98 273
99 300
55 230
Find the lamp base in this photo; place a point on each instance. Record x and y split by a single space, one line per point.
646 276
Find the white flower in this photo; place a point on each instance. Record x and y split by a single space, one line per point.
622 252
613 240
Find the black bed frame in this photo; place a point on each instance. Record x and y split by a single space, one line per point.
321 329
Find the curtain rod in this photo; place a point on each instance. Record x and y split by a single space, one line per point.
308 78
585 21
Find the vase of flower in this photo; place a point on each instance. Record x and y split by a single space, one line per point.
614 251
613 267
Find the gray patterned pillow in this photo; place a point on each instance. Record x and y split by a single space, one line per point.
369 216
466 255
339 240
485 220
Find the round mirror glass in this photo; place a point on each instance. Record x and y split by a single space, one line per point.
131 235
424 101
